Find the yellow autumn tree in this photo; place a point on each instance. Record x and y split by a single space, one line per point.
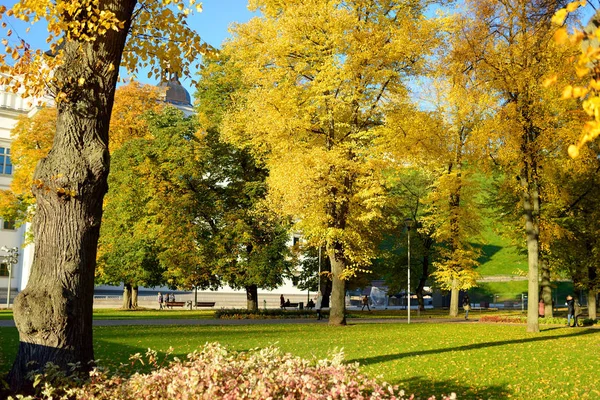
89 41
33 138
513 58
321 75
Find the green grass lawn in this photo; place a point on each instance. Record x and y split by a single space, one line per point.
487 361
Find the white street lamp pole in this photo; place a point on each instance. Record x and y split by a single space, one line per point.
409 223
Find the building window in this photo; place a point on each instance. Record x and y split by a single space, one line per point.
5 163
3 269
8 225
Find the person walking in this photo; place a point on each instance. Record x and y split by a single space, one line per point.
570 309
466 305
160 301
318 304
365 303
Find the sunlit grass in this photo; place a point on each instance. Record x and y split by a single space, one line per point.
474 360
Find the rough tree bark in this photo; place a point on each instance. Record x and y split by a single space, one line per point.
134 297
252 297
546 290
591 298
337 312
532 232
126 297
54 313
454 292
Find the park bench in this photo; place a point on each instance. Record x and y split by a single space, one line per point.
171 304
289 305
201 304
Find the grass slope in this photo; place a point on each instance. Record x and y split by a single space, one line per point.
477 361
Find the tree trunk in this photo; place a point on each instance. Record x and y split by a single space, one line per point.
454 299
546 290
530 210
424 277
337 311
252 297
54 313
126 297
134 297
592 304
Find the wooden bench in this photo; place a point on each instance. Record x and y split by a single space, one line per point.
201 304
289 305
171 304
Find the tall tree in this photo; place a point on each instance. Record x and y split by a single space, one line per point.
54 312
510 46
321 76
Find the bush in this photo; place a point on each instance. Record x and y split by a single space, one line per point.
523 319
266 314
217 373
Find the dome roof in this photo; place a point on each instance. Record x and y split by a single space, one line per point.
176 94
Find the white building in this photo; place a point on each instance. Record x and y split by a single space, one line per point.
12 107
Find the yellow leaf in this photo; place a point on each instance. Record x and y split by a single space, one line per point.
560 16
81 81
573 6
561 36
567 92
550 81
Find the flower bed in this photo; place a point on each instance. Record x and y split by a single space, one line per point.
214 372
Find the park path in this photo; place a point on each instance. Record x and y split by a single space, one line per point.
351 321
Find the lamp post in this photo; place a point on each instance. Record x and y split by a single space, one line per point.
408 222
10 259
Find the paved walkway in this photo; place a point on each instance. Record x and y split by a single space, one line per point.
351 321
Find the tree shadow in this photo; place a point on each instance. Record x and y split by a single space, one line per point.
424 388
487 252
475 346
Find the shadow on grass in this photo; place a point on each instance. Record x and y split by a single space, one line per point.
476 346
423 388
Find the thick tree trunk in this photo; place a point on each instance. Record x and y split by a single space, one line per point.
126 297
591 300
337 311
134 297
530 209
454 299
54 313
252 297
546 290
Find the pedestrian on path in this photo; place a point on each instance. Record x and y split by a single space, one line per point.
365 303
466 305
318 304
570 309
160 301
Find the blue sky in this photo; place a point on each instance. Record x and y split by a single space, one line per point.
212 24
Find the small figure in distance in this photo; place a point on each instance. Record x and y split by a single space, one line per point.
466 305
288 303
570 309
318 304
365 303
281 302
172 296
160 301
541 308
310 305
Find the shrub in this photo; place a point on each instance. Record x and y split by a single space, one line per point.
266 314
217 373
523 319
